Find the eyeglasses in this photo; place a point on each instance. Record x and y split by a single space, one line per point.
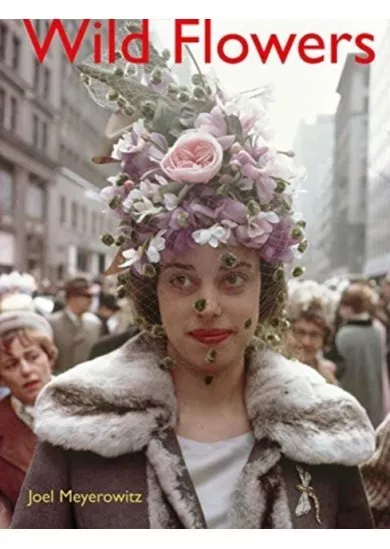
315 336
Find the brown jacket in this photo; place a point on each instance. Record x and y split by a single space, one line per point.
109 456
73 343
17 445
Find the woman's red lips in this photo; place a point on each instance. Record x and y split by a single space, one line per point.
31 384
211 336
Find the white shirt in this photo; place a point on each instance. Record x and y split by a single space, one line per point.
215 468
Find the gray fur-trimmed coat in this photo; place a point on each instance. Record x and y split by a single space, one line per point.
107 427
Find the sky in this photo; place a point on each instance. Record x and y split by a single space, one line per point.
301 91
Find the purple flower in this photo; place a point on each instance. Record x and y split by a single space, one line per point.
258 230
278 248
215 124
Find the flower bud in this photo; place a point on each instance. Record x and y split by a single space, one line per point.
253 207
200 305
298 271
121 179
199 93
211 356
107 239
197 79
183 96
85 79
120 240
115 203
183 220
302 246
121 292
148 108
166 55
297 233
112 95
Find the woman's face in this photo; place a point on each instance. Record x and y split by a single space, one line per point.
206 306
306 339
25 368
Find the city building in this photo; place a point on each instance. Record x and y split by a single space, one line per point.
350 170
377 261
47 121
313 149
80 217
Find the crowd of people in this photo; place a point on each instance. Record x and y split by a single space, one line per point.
343 335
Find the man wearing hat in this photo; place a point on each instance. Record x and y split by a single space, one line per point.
27 355
75 332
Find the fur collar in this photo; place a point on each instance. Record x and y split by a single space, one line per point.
118 403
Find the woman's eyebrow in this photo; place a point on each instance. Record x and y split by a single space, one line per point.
183 266
241 264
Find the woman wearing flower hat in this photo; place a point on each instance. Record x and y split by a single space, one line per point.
27 355
198 421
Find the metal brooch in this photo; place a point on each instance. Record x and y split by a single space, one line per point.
307 493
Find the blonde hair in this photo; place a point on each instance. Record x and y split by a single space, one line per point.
29 336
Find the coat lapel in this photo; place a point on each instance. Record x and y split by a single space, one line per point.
260 500
168 465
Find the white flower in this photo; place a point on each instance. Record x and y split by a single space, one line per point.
143 208
145 190
212 236
133 256
171 201
157 244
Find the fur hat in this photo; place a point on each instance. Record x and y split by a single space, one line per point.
16 320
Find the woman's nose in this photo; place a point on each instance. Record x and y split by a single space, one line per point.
209 304
25 367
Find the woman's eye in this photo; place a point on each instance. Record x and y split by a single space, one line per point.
181 282
235 280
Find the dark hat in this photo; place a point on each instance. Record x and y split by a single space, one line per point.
79 287
109 301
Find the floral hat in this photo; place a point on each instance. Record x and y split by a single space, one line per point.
309 296
196 167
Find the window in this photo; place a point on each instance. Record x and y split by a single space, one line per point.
2 107
15 53
6 193
14 113
35 205
35 130
94 223
84 219
3 40
46 82
44 136
37 25
62 210
37 69
74 215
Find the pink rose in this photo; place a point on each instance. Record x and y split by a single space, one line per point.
196 157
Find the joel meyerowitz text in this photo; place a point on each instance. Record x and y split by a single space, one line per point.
81 498
312 48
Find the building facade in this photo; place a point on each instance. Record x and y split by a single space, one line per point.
29 146
80 217
313 148
47 121
350 170
377 261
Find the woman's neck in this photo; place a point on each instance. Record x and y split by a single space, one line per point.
211 412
